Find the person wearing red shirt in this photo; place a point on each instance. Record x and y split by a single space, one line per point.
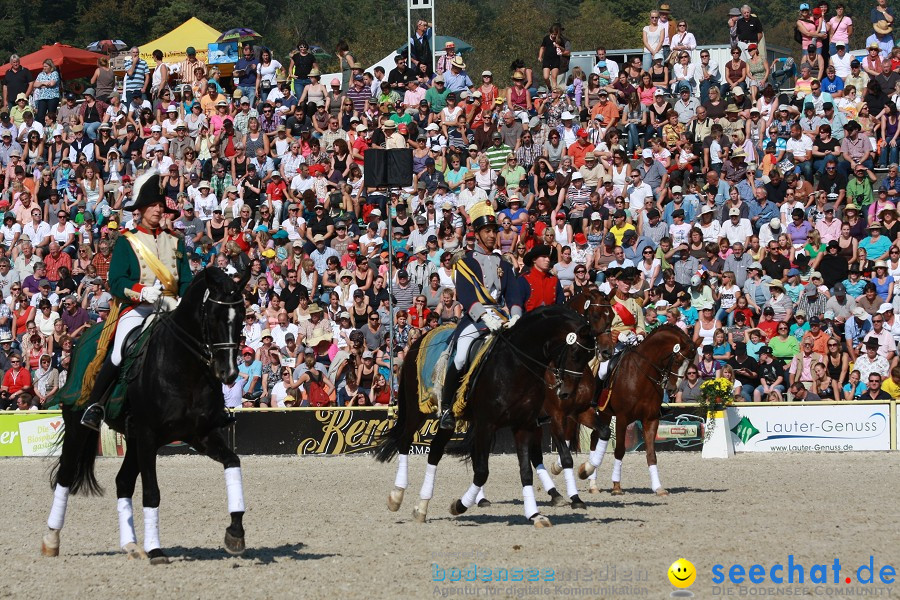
581 147
55 259
418 312
17 380
768 325
540 288
276 190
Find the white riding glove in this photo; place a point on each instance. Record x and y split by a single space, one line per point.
512 321
150 294
627 337
492 321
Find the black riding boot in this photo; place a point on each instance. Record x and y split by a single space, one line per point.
448 397
105 379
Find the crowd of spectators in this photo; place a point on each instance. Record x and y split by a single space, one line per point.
761 219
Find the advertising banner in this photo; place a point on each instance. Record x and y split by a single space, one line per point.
810 428
25 434
330 432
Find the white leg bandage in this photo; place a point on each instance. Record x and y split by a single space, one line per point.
480 495
468 499
402 479
546 480
126 522
617 471
58 510
428 483
235 489
151 529
530 504
654 478
596 457
571 486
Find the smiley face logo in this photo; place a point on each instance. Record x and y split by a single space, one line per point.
682 573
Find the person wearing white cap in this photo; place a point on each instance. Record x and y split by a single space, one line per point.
736 229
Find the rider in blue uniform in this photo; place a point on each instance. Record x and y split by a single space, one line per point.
490 293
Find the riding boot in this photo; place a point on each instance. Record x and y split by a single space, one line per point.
105 379
448 397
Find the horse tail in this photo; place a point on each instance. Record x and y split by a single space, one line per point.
74 468
389 444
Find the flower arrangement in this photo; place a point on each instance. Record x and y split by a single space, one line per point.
715 395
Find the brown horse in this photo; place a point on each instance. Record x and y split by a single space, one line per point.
637 385
597 308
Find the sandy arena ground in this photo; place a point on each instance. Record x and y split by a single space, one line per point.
319 528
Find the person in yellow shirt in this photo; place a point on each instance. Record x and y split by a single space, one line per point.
620 226
891 384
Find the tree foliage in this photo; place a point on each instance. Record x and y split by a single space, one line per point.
500 30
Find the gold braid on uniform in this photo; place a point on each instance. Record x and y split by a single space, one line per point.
106 336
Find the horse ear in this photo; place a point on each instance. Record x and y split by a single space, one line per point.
245 278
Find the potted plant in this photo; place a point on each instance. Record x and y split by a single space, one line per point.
715 396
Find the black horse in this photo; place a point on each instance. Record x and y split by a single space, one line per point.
548 348
175 395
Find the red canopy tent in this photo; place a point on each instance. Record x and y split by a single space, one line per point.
72 62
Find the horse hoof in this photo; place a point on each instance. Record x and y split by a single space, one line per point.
541 522
484 503
419 516
133 551
585 470
234 545
593 489
662 492
395 499
157 557
577 503
48 550
556 499
457 508
555 468
617 491
50 543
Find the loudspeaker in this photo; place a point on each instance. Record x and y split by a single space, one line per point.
399 167
375 163
388 168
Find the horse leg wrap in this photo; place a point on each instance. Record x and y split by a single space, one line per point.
402 479
126 522
654 478
571 486
546 480
428 483
531 508
480 495
617 471
596 457
469 498
58 510
235 489
151 529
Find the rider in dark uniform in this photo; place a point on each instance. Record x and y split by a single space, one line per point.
490 294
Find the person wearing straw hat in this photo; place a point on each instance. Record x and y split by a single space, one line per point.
779 301
457 79
491 296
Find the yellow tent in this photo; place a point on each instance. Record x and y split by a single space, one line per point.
192 32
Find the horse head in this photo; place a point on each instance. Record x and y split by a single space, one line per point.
676 352
596 307
216 304
569 348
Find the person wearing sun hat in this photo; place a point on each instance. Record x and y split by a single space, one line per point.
491 296
779 301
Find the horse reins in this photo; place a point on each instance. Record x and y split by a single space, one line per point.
558 372
203 350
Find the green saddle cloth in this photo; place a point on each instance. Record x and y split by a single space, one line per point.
84 353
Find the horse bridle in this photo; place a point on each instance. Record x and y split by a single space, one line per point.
558 372
203 350
664 372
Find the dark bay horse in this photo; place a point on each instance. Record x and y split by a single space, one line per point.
175 395
549 347
637 383
597 309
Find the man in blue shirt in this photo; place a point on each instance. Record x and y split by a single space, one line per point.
831 83
246 72
250 370
137 75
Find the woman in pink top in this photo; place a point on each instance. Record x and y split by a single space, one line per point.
840 28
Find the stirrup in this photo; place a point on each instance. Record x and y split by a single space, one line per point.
447 420
93 416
